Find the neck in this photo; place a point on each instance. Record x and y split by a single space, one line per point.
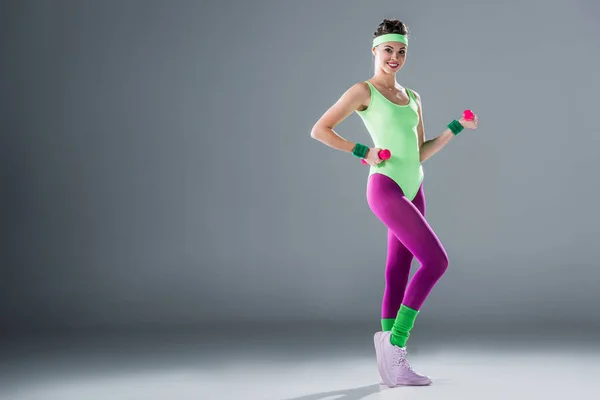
384 79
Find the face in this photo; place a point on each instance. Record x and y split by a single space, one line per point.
390 56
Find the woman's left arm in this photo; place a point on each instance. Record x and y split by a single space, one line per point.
432 146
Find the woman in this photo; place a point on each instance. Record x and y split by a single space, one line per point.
393 117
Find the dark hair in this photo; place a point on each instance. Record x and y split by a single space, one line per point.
391 26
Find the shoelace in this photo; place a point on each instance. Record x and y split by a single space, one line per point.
399 359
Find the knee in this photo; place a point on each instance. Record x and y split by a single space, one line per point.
438 264
442 263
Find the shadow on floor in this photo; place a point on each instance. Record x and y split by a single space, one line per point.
347 394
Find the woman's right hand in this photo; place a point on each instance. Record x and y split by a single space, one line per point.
372 157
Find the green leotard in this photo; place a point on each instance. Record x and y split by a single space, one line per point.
394 127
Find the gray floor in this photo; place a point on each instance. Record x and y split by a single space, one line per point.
298 363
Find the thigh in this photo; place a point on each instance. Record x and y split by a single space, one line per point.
395 246
403 218
397 253
419 200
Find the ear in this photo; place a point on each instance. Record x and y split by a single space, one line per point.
373 51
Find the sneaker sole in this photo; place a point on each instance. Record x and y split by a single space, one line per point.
377 342
419 383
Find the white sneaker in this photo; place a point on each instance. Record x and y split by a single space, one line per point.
393 365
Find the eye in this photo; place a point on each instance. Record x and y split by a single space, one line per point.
388 50
403 51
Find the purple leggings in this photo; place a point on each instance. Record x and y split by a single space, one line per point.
409 235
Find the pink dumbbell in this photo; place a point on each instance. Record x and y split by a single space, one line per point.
384 154
468 115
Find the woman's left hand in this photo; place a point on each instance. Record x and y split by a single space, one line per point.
471 124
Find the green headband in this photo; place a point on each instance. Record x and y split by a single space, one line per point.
390 37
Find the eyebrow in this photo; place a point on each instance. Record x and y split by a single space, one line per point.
390 47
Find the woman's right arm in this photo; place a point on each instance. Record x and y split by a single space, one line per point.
351 100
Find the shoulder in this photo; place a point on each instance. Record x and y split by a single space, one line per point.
417 96
360 90
357 96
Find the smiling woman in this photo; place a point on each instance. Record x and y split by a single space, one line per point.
395 51
393 117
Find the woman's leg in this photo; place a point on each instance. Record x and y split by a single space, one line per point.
397 271
405 221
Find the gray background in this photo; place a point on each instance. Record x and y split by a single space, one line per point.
158 167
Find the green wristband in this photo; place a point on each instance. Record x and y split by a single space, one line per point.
360 150
455 127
